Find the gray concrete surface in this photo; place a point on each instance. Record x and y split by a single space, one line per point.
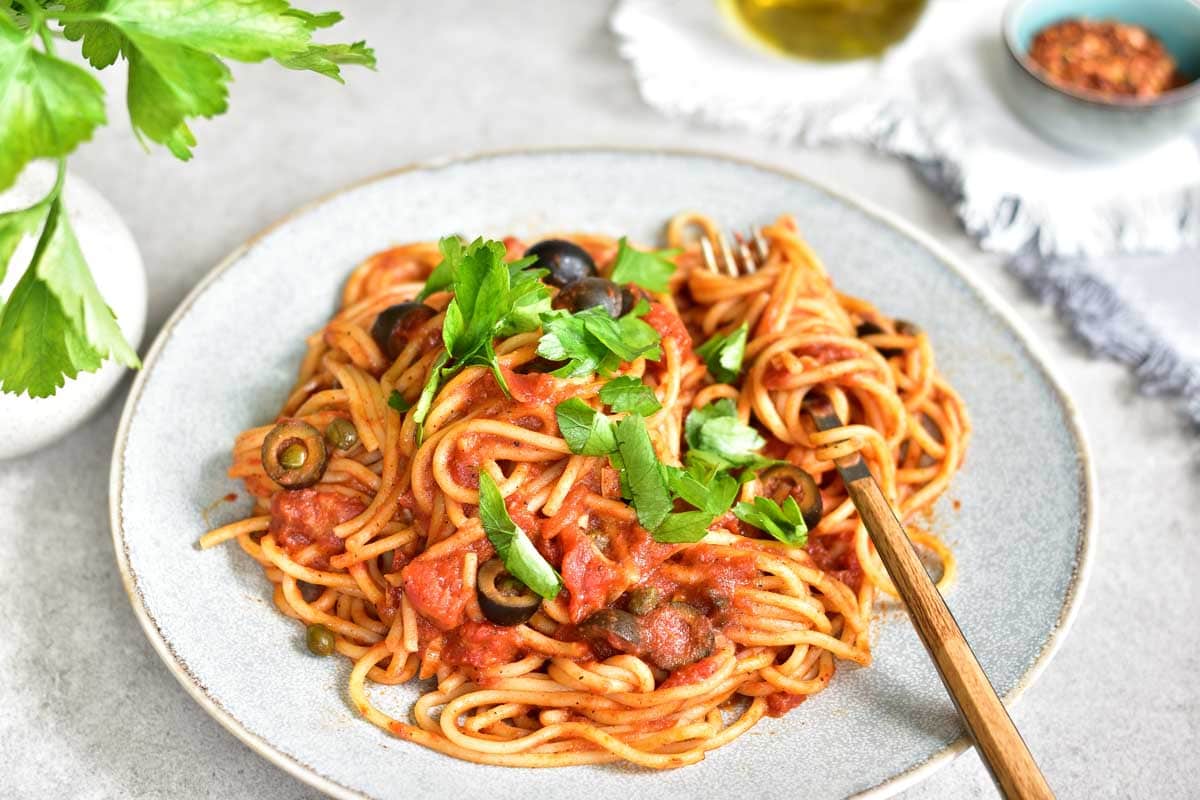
86 708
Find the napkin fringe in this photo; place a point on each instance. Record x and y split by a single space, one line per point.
1099 317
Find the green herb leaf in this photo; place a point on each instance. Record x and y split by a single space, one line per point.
716 430
586 431
174 49
649 269
47 105
592 341
397 401
644 476
55 323
785 523
443 274
683 527
723 354
491 298
437 374
15 226
627 393
512 544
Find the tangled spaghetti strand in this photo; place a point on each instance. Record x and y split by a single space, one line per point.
384 550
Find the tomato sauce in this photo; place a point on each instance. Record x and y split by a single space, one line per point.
303 517
592 580
669 326
779 703
435 587
835 555
481 645
702 670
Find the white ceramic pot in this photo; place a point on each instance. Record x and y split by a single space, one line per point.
26 423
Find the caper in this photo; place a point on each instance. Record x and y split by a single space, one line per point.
643 600
341 434
321 640
293 456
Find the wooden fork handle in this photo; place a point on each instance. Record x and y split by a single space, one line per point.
996 738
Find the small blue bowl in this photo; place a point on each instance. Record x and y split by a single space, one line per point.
1094 124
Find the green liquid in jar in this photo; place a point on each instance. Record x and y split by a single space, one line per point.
828 30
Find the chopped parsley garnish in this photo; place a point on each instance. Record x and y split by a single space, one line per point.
491 298
592 341
785 523
650 269
723 354
643 476
628 393
709 484
716 431
512 544
397 401
586 431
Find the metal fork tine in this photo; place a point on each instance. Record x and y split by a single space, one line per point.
730 265
761 242
710 258
749 262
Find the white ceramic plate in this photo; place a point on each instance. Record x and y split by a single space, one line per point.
228 355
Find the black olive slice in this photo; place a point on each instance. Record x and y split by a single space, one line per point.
589 293
396 324
503 599
618 629
869 328
802 487
567 261
293 454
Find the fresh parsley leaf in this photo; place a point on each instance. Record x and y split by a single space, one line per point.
47 105
628 393
711 499
55 323
785 523
716 431
683 527
491 298
732 439
437 374
586 431
643 475
723 354
397 401
592 341
15 226
650 269
443 274
326 59
174 49
512 544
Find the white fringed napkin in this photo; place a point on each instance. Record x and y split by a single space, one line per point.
933 100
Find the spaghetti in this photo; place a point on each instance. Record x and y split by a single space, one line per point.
654 651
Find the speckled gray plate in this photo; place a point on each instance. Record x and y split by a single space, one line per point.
228 355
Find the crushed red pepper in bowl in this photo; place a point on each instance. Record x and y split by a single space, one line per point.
1105 57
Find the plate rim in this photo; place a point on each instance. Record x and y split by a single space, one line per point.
996 304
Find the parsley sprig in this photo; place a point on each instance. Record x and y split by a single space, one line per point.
491 298
55 324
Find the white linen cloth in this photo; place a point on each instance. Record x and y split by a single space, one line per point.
934 101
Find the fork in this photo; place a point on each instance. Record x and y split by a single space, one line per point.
995 736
